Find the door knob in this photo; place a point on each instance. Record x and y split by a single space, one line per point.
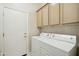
24 33
25 36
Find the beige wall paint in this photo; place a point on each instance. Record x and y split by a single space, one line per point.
71 29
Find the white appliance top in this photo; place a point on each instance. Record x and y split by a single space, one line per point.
61 37
45 34
65 38
63 42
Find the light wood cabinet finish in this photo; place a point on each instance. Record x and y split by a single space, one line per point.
70 12
53 14
39 18
45 15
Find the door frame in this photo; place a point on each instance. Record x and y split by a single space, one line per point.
27 40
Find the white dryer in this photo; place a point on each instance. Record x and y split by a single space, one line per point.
53 45
35 44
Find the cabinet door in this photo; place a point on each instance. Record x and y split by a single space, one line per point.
45 15
53 14
39 18
70 12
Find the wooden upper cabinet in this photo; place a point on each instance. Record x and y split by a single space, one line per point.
70 12
45 15
39 18
53 14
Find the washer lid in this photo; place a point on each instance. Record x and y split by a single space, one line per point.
63 42
65 38
40 37
45 34
66 47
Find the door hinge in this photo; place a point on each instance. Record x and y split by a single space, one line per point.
3 34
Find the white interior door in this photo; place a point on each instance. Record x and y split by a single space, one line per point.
15 28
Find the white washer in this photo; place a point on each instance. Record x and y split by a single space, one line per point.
54 45
66 43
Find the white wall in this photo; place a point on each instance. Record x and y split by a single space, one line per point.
27 7
32 23
1 29
30 8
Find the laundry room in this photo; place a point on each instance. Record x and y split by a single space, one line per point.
39 29
57 19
